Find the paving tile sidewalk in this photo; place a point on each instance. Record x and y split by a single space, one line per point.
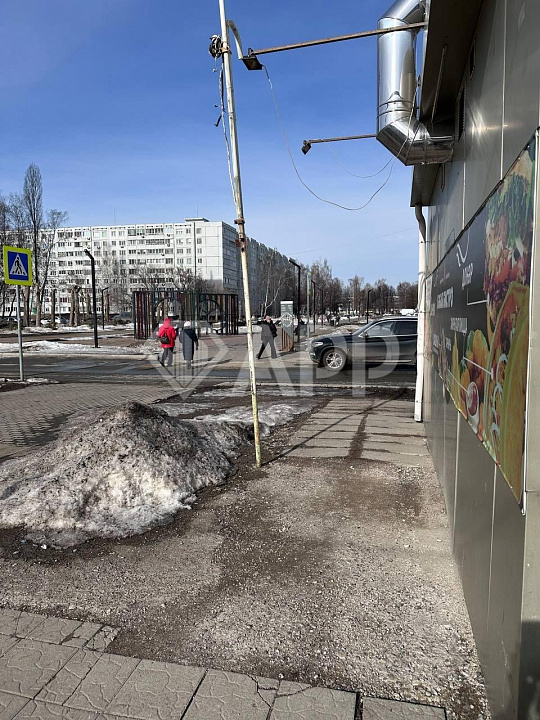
31 413
57 668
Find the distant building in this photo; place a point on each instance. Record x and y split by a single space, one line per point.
151 255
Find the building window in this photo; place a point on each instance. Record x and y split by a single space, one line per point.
113 233
199 260
199 240
199 251
131 231
198 231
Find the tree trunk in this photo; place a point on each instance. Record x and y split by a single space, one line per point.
107 308
26 306
88 308
76 308
37 291
53 308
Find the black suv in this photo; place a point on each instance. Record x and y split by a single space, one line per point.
387 340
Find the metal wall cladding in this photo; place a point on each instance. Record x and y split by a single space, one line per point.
484 109
451 416
472 530
522 77
504 616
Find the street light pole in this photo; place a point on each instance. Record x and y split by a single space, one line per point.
367 305
94 303
240 221
293 262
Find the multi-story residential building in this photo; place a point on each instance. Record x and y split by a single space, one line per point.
153 255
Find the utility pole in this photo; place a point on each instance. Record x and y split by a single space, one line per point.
240 221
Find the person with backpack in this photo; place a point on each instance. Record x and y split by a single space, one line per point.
268 333
190 343
167 336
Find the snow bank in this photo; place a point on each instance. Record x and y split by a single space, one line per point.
51 347
120 474
270 415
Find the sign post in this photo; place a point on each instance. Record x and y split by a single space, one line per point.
287 325
18 271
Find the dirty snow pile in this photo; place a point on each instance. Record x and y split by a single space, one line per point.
53 347
128 470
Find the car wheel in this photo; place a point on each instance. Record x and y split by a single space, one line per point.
334 359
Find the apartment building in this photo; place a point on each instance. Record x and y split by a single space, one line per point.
151 255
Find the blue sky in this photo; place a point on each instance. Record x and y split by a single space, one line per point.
114 100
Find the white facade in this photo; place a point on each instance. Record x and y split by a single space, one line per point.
143 256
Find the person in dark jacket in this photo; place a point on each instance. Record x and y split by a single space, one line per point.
167 335
268 333
190 343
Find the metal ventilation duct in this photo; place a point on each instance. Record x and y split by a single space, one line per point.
398 128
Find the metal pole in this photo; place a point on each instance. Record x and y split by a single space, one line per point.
314 305
242 240
338 38
94 299
103 308
308 290
19 333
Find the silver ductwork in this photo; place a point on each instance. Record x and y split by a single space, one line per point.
398 128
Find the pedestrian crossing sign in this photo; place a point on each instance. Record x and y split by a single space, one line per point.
17 266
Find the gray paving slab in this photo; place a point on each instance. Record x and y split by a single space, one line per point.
301 702
395 447
40 711
328 443
10 705
28 666
157 691
318 452
230 696
376 709
396 431
86 632
390 420
54 630
403 460
103 683
102 638
19 623
64 683
418 441
326 435
6 643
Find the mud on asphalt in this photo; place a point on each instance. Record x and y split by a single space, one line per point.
336 574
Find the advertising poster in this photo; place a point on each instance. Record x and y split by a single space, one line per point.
479 318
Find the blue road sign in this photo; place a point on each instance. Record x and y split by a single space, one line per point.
17 266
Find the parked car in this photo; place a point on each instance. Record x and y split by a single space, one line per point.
385 340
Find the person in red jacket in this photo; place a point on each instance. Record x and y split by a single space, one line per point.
167 335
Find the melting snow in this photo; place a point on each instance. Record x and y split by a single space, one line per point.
54 348
123 472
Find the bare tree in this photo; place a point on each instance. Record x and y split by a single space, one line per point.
33 204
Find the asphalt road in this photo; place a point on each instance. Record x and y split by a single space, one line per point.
117 369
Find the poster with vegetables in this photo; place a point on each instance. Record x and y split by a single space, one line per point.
479 318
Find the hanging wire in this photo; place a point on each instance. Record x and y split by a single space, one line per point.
361 177
324 200
224 113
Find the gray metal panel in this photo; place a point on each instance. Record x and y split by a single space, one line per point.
450 459
484 109
504 617
453 195
522 79
437 424
472 534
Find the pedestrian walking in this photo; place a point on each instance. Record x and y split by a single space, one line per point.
190 343
167 335
268 333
